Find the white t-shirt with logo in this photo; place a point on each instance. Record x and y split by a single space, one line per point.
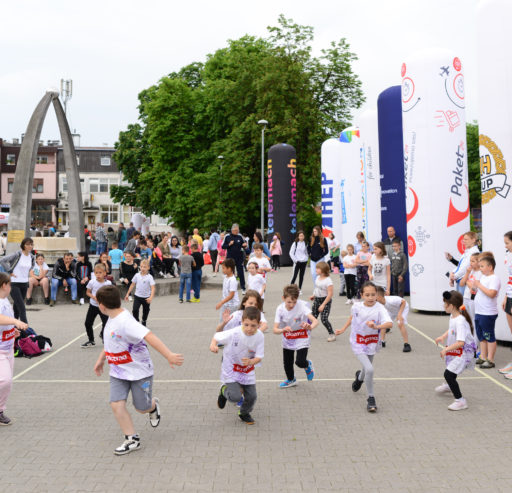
350 260
236 320
508 265
483 304
262 262
22 269
379 271
38 268
393 304
321 286
363 339
238 345
256 282
143 285
94 285
6 331
299 338
229 285
460 359
125 348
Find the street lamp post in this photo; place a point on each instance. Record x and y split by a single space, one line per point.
220 158
264 124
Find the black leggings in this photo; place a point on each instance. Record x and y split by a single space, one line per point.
324 315
301 361
451 380
300 268
92 313
137 302
276 262
18 294
350 281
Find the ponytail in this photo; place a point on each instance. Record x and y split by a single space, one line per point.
465 314
455 299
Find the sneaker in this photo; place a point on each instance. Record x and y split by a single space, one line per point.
214 274
506 369
310 371
371 407
28 301
221 400
88 344
479 361
130 444
195 300
288 383
47 301
383 343
130 298
82 301
154 416
75 302
144 322
188 301
331 338
52 302
300 292
348 302
181 300
407 348
243 292
356 384
487 364
246 418
4 420
441 389
458 405
508 376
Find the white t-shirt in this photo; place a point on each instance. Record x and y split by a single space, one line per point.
37 268
237 345
262 262
236 320
379 270
464 357
321 286
483 304
229 285
508 265
6 331
125 348
363 339
475 275
94 285
22 269
299 338
393 304
256 282
143 285
350 260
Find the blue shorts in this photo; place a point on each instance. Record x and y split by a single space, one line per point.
484 325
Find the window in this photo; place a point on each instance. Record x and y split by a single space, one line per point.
109 213
37 185
64 184
78 159
11 159
82 185
105 161
104 185
10 185
42 160
94 185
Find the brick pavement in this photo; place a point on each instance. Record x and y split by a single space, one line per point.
315 437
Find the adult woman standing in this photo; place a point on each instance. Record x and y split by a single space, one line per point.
317 249
111 237
175 250
358 246
166 255
470 241
19 265
299 256
258 238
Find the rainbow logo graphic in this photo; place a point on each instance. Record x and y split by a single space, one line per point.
346 135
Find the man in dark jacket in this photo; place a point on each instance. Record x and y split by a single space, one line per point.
235 246
64 273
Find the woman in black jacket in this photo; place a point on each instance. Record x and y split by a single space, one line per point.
317 249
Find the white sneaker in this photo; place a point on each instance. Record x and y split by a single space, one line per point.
82 301
154 417
348 302
130 298
443 388
506 369
214 274
331 338
130 444
458 405
300 292
508 376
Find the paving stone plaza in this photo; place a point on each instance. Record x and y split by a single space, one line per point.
315 437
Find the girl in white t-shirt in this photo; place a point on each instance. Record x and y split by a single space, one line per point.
322 297
38 277
232 320
379 270
460 350
230 298
367 320
255 280
472 274
349 263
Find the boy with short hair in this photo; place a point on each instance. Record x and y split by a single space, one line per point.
186 263
230 299
486 309
197 272
243 350
398 310
260 259
116 257
398 268
131 368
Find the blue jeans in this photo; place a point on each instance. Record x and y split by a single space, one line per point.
185 279
101 246
58 282
196 282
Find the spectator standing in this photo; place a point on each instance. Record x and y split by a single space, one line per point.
388 242
212 247
101 239
130 232
399 268
121 236
317 249
111 237
234 244
258 238
196 236
131 245
88 239
197 272
470 241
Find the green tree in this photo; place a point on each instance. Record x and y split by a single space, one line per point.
475 194
209 109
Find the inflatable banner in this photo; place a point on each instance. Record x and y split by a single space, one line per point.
331 157
282 196
495 127
435 169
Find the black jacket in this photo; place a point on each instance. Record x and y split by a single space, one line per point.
235 251
60 271
316 252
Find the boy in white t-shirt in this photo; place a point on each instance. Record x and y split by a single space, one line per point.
260 259
255 280
398 310
243 351
144 291
131 368
230 298
486 309
294 321
92 287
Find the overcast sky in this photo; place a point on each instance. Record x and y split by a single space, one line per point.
112 49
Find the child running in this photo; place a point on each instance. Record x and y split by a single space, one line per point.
349 263
93 286
322 297
367 319
243 350
230 298
460 350
256 281
144 292
294 321
398 310
232 320
131 368
8 332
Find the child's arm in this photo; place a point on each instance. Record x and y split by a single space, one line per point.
328 298
263 326
130 289
313 322
405 269
88 292
399 317
214 348
385 325
345 327
370 271
492 293
156 343
465 277
388 279
452 347
98 367
250 361
277 330
441 338
150 299
263 288
226 317
5 320
229 297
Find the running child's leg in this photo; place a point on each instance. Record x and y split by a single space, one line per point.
104 320
288 355
89 321
145 311
314 308
137 301
301 359
451 380
403 330
6 370
250 397
324 317
233 392
302 270
123 417
366 374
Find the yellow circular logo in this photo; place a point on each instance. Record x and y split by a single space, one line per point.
493 170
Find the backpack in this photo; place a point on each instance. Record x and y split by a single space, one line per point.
29 346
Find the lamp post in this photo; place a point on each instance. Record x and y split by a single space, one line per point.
220 158
264 124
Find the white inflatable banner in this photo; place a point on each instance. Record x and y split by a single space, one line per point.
495 127
435 168
331 156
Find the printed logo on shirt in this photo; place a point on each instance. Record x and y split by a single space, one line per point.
296 334
243 369
118 358
371 339
455 352
7 335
